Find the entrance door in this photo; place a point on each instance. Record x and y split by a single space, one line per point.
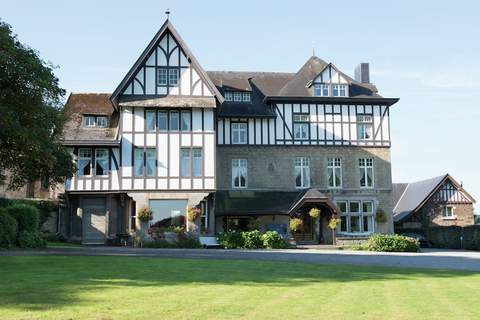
305 233
93 225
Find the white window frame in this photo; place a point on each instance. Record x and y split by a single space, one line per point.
302 166
237 96
85 154
89 121
450 216
173 77
101 121
364 165
319 90
237 129
365 127
101 155
339 90
301 125
246 96
363 217
162 77
228 96
334 164
239 167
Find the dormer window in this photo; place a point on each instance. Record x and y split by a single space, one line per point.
95 121
238 96
339 90
321 90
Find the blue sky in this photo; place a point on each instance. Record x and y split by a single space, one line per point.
424 52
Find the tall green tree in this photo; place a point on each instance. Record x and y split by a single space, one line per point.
31 117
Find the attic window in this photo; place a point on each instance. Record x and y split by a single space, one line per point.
238 96
321 90
91 121
339 90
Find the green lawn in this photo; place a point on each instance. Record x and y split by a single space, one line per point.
154 288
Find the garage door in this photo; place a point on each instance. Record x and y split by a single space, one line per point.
168 213
94 221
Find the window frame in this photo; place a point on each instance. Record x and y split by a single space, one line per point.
161 76
147 159
451 209
338 88
301 120
167 120
237 170
137 151
170 119
87 123
321 89
188 115
103 158
89 158
364 121
364 217
97 121
154 113
176 73
301 163
241 126
368 163
189 164
334 165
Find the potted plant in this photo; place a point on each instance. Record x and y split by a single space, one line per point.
333 224
145 214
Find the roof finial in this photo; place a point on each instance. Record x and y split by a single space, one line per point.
313 47
167 13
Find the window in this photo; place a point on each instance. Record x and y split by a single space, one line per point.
320 90
366 172
89 121
162 121
174 120
138 162
102 121
239 173
84 162
150 120
237 96
246 96
356 217
228 96
364 127
300 126
339 90
151 162
173 77
334 170
185 120
191 162
197 162
101 162
162 77
302 172
239 132
448 213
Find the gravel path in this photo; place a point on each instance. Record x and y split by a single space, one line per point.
428 258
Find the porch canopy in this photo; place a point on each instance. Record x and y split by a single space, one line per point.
257 203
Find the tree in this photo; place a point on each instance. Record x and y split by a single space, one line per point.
31 117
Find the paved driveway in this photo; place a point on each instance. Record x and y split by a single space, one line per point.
431 258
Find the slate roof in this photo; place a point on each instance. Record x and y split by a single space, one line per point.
79 104
413 195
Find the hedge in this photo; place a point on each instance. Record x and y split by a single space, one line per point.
46 207
27 216
452 237
251 240
389 243
8 229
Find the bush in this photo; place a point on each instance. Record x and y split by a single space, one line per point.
272 240
28 239
252 239
392 243
8 229
27 216
46 207
230 240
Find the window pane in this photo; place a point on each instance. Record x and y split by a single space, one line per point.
151 161
162 77
89 121
246 97
84 162
368 224
163 121
197 162
228 95
342 206
306 177
150 120
331 180
367 207
338 177
354 206
237 96
102 122
354 224
185 120
138 162
101 162
174 125
239 173
343 224
185 164
173 77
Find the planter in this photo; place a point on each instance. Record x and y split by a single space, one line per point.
170 237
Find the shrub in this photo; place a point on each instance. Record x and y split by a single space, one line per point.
230 240
272 240
46 207
145 214
252 239
295 223
8 229
27 216
392 243
28 239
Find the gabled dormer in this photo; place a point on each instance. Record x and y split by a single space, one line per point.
330 82
166 69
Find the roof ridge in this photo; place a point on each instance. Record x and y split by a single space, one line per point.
97 93
400 199
255 72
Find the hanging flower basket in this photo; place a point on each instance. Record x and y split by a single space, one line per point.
295 224
193 214
314 213
381 216
145 214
